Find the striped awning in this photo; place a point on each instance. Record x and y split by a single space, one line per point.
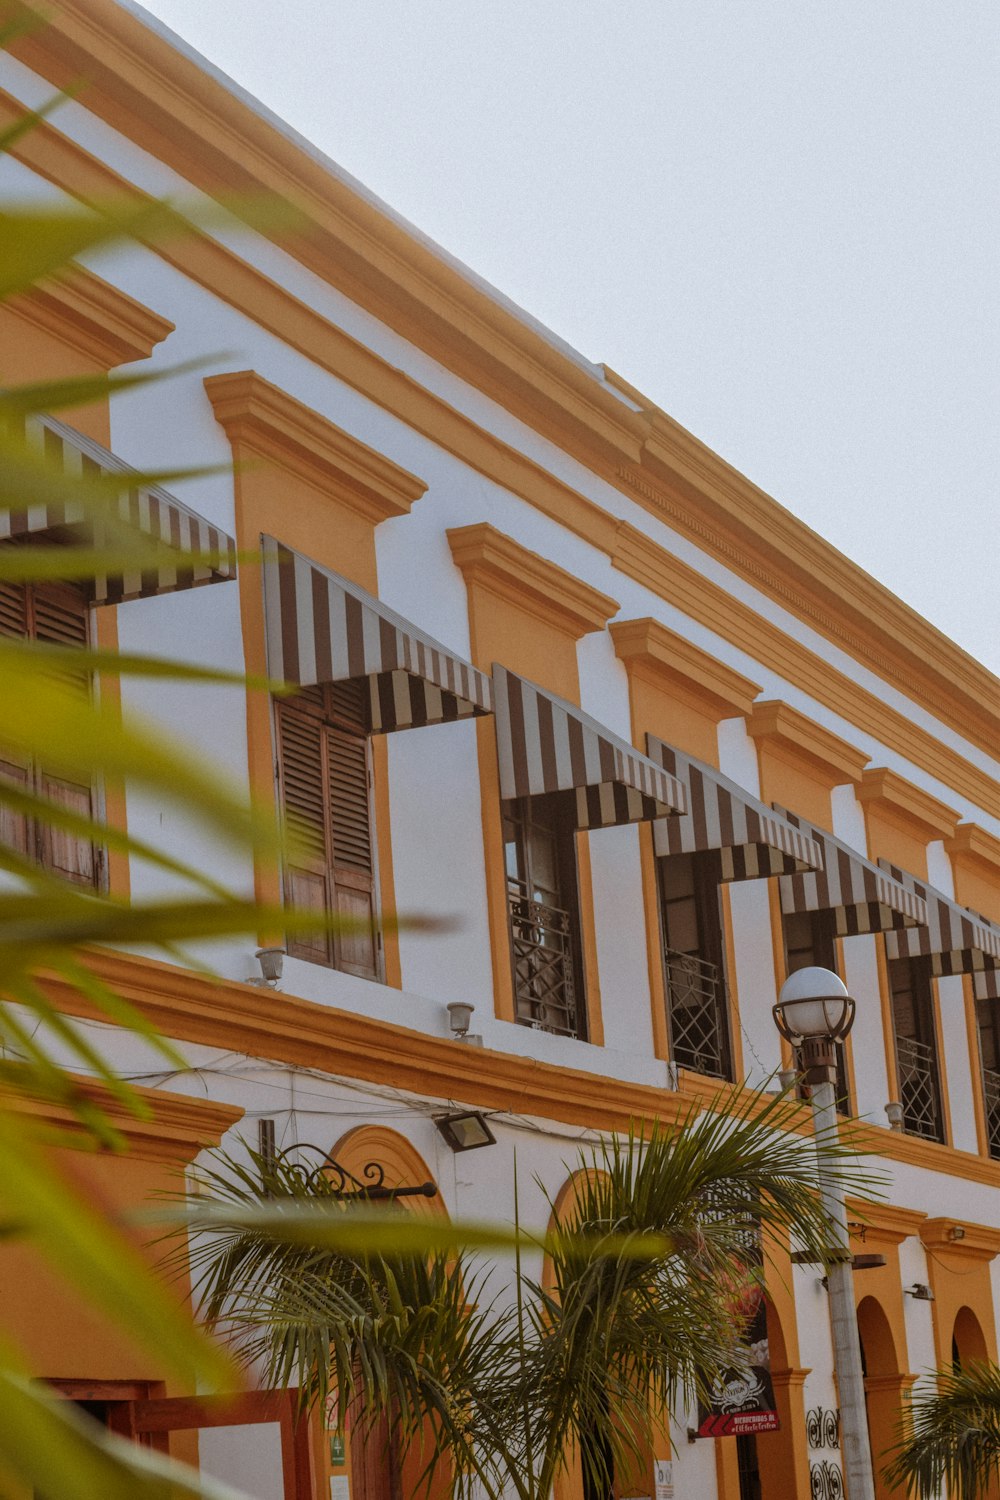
752 840
547 745
987 984
188 552
323 629
956 940
862 897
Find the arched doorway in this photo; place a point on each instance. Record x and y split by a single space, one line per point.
379 1467
886 1385
968 1342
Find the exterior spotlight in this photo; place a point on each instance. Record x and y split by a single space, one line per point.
466 1130
271 961
460 1018
920 1292
895 1112
956 1232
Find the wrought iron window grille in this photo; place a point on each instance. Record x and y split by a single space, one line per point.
991 1098
544 978
918 1088
696 998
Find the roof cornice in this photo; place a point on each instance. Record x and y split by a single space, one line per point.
165 101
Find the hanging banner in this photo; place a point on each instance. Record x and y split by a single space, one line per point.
742 1400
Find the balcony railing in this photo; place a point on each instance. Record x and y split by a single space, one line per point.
991 1097
918 1088
545 991
696 997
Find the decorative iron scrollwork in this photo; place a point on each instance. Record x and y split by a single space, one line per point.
328 1178
826 1481
823 1427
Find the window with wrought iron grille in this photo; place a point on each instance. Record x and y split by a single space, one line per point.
694 964
325 777
59 614
544 912
988 1023
912 996
810 942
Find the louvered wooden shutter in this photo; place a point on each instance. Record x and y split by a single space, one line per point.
324 776
351 839
56 613
303 790
59 617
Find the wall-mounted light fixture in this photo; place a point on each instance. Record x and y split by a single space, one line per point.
956 1232
920 1292
895 1112
271 962
460 1018
466 1130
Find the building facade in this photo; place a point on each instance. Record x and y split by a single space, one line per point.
637 739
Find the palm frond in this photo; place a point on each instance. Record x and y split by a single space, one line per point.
952 1437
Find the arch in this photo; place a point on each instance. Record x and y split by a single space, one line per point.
886 1387
784 1469
403 1164
968 1339
378 1468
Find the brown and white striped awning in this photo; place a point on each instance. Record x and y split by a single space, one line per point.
752 840
862 897
987 984
188 550
321 628
956 940
547 745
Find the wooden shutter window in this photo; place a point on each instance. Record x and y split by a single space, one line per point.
57 614
324 776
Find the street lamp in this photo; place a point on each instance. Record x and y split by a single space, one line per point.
814 1012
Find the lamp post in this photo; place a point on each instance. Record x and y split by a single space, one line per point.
814 1012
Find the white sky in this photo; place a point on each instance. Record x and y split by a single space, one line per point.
778 219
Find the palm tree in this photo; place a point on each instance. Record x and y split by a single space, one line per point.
629 1319
953 1438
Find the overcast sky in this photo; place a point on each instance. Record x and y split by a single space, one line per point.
779 220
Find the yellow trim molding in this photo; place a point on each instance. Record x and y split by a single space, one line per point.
646 645
899 800
175 1129
61 161
970 842
791 734
494 561
98 320
271 423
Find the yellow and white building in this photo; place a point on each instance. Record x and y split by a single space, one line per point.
613 656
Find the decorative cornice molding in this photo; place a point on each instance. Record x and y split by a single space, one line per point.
271 424
97 319
902 802
647 646
176 1129
782 727
192 1007
492 560
959 1238
884 1221
235 282
639 557
974 845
